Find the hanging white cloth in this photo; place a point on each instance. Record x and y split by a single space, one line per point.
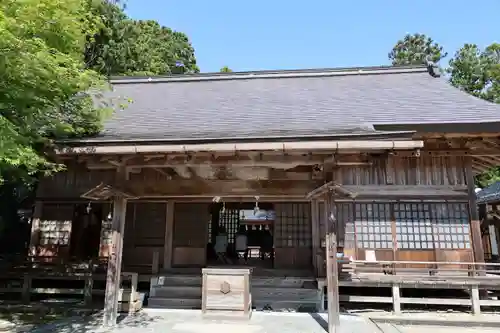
241 242
221 243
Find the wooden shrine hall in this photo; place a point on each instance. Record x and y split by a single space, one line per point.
397 148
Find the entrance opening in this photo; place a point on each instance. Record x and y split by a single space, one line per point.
86 232
241 234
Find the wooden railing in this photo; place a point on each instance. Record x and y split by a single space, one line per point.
476 278
424 269
18 275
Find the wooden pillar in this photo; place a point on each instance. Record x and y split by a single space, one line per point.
332 276
316 240
169 233
35 228
475 223
115 258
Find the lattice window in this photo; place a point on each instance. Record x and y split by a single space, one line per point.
451 225
293 225
373 225
344 214
55 224
413 225
230 220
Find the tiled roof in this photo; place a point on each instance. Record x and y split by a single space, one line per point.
489 194
297 103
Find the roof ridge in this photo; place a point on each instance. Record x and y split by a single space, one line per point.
268 74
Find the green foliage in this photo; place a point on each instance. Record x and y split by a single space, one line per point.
43 77
416 49
124 46
477 72
489 177
226 69
472 70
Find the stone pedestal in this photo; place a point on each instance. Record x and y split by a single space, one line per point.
227 292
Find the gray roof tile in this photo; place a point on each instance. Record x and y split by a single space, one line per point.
293 103
490 193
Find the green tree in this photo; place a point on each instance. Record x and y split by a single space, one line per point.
43 80
124 46
416 49
487 178
225 69
477 71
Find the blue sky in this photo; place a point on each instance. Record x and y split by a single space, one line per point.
278 34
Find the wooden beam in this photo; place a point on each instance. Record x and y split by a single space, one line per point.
486 160
480 165
408 190
211 188
450 152
291 146
113 275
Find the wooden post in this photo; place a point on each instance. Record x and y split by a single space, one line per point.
35 228
475 223
475 300
169 232
89 283
396 299
155 264
134 281
26 287
115 258
332 276
316 241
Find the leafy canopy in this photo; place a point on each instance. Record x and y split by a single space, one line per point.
471 69
225 69
43 75
124 46
477 71
416 49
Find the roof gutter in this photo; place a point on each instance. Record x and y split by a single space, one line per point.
242 147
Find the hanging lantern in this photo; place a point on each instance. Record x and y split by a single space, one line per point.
256 208
110 217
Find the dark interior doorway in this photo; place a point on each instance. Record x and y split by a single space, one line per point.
233 219
86 231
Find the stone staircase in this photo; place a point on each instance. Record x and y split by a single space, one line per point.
275 293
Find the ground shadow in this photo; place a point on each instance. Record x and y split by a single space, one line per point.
319 320
37 319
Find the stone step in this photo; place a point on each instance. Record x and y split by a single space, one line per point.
287 282
259 305
279 282
174 303
289 306
178 280
190 292
280 294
